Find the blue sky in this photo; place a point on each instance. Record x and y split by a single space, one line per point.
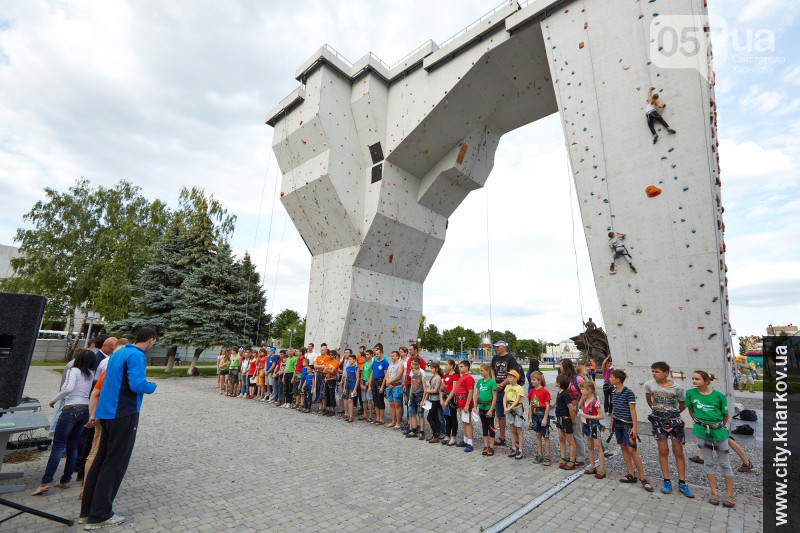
172 94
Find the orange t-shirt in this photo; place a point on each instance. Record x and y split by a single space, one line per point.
360 360
99 384
322 360
331 369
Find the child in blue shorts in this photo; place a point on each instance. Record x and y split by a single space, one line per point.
540 400
626 427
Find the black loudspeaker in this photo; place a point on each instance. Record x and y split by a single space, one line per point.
20 319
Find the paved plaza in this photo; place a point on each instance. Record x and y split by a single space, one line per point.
204 462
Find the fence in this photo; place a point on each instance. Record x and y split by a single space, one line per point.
53 350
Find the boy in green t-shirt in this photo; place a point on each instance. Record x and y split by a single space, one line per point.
366 392
487 402
709 410
288 378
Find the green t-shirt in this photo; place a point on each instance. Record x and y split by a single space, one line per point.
708 408
366 371
236 362
485 389
291 364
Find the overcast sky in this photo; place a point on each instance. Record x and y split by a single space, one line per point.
171 94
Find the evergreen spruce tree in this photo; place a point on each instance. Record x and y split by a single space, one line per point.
189 242
252 300
207 306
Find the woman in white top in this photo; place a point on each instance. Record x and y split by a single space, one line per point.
76 390
653 116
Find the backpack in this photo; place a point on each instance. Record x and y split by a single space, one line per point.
748 415
745 429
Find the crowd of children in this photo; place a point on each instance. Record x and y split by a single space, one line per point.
354 385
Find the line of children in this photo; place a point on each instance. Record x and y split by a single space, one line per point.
455 395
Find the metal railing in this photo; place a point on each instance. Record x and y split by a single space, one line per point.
505 3
414 51
332 50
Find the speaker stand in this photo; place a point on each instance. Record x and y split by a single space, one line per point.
30 510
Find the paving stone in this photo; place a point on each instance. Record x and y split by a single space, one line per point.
204 462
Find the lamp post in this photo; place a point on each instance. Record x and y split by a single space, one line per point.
461 340
291 332
92 316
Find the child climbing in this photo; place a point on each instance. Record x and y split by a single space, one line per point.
616 244
653 116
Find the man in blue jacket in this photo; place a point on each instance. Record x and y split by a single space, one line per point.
118 413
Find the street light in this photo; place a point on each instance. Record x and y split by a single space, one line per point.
461 340
92 316
291 332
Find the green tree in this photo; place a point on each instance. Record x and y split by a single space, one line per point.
431 338
82 248
450 338
283 322
208 310
252 299
192 238
296 338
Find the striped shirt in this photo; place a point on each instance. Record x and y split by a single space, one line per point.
621 404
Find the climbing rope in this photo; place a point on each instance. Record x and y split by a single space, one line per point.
253 249
269 234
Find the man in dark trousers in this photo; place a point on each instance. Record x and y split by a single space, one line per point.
501 364
118 413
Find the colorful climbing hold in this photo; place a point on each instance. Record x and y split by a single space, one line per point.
652 191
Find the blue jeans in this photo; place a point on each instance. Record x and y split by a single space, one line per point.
69 430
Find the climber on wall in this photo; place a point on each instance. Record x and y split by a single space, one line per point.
618 246
653 116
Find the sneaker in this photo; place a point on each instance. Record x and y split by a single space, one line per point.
518 455
590 471
634 269
113 521
562 462
537 459
421 436
745 467
569 466
546 461
671 131
468 448
411 435
655 139
461 444
406 431
485 451
684 489
512 454
600 475
666 488
83 520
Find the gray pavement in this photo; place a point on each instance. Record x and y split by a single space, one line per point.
204 462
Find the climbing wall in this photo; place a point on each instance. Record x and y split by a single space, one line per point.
664 196
376 158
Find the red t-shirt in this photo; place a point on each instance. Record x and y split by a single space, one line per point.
251 370
422 365
448 381
465 384
299 367
542 395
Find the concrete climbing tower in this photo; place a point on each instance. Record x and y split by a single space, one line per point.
375 158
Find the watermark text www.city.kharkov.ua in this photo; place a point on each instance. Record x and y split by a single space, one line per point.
780 434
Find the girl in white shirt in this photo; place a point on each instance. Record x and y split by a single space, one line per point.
76 390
